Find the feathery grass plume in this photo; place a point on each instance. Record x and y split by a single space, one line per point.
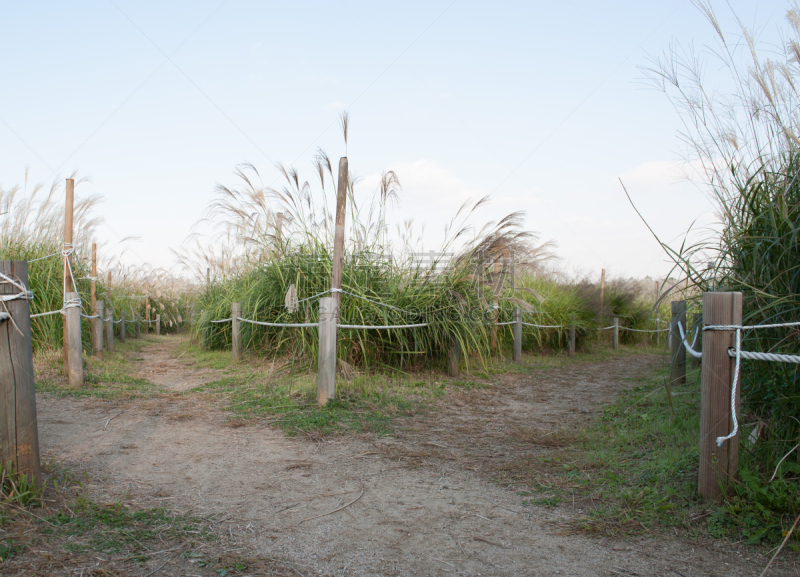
453 290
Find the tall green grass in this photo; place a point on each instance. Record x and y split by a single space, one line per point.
476 277
745 141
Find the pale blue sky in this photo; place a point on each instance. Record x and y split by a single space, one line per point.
539 103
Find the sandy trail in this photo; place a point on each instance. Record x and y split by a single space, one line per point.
422 502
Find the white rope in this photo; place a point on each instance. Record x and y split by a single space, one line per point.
59 311
84 316
23 294
315 296
264 324
738 354
605 328
44 257
748 327
4 316
219 321
756 356
544 326
687 346
644 330
386 327
508 323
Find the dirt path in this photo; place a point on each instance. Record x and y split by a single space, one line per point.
165 366
418 503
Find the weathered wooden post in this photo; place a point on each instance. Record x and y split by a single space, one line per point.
69 208
158 324
453 358
93 285
72 316
18 427
615 338
122 328
338 239
677 373
719 466
236 330
326 379
109 329
571 337
326 376
97 326
517 352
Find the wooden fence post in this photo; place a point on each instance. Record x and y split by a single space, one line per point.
718 465
93 285
572 341
338 239
615 338
453 358
517 353
74 342
109 329
329 311
326 366
97 332
158 324
677 373
122 328
236 330
69 205
18 426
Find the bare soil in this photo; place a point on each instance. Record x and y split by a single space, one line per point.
437 498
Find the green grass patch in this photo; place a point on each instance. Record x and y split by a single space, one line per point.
109 377
639 466
363 403
115 528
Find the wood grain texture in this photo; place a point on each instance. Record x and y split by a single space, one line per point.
109 329
18 425
517 353
718 465
453 358
338 239
571 337
74 343
97 333
236 331
69 208
326 375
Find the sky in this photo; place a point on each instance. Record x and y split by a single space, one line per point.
543 105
